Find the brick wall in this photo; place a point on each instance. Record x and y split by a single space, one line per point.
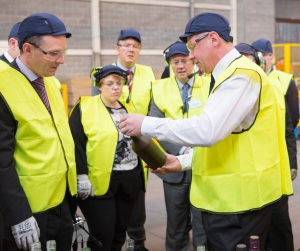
256 19
159 26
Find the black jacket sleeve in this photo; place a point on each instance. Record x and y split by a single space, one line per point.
292 102
290 139
14 205
166 72
80 140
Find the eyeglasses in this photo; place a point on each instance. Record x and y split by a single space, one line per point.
135 47
191 47
51 55
179 62
112 84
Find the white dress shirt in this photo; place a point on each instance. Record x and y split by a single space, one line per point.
231 108
8 57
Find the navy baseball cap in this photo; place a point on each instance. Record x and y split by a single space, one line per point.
206 22
129 33
176 48
14 31
245 48
109 69
263 45
39 24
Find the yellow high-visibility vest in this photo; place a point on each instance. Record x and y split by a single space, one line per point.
246 170
44 148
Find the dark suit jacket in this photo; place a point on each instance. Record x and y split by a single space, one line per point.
3 58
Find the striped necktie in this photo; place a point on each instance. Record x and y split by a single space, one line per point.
129 84
41 90
130 80
185 98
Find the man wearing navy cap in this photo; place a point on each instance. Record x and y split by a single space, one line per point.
13 48
178 97
287 80
37 162
5 59
250 52
136 99
281 234
240 167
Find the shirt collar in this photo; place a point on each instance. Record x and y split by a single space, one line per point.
190 82
225 62
269 71
124 68
8 57
26 71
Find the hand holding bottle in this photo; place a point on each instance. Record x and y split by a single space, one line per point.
131 124
171 165
148 151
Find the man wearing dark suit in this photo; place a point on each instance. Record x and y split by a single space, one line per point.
13 46
179 96
280 236
37 162
5 59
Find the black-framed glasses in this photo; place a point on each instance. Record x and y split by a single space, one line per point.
51 55
191 47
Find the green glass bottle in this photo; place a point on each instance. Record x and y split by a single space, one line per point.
201 248
36 246
129 245
51 245
148 151
241 247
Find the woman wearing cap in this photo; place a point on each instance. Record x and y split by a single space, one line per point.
109 172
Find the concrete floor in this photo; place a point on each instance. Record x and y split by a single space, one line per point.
156 212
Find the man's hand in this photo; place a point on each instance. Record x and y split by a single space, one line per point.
131 124
84 186
172 165
293 173
26 233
